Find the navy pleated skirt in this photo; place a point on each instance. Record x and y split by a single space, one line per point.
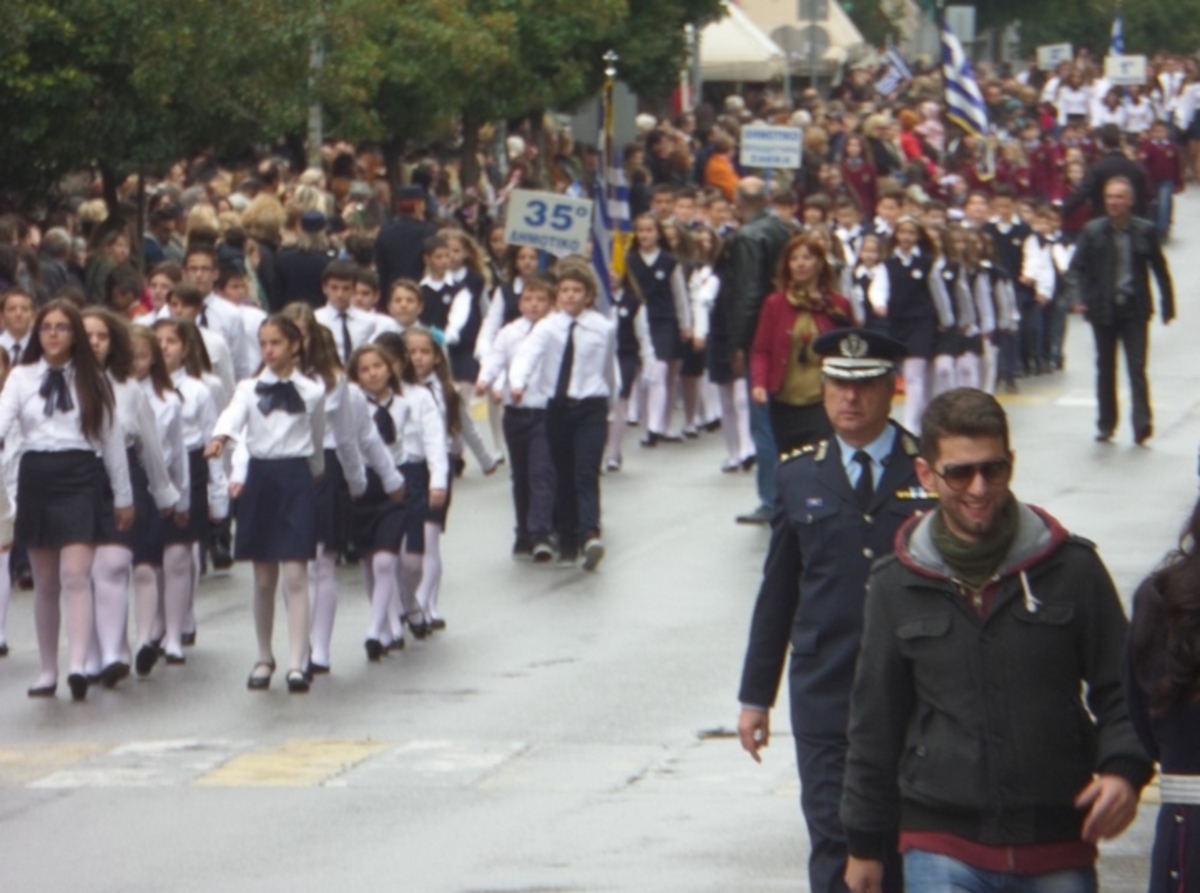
379 523
145 511
197 527
664 335
61 499
333 506
277 512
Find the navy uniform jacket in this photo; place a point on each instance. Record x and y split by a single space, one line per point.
815 580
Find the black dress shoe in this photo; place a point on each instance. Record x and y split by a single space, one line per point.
114 673
175 660
374 650
316 669
187 639
297 682
1142 436
42 691
147 657
1104 436
260 683
222 559
437 625
711 427
749 462
650 440
25 579
78 683
3 650
418 627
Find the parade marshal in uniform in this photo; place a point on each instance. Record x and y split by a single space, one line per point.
839 505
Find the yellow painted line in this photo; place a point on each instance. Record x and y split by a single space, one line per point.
296 763
21 765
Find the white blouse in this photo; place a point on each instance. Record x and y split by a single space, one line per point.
279 435
21 405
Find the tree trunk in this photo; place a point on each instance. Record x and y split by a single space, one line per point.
391 166
537 130
469 174
108 178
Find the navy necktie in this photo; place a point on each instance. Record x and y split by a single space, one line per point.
203 320
865 488
16 353
384 422
563 385
346 346
279 395
58 395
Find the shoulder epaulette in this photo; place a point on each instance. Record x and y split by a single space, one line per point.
806 450
911 447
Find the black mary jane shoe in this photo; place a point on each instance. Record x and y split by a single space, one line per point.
114 673
418 627
315 669
78 683
147 657
42 691
297 682
437 625
175 660
260 683
187 639
374 650
3 649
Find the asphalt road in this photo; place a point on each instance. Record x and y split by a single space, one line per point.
567 732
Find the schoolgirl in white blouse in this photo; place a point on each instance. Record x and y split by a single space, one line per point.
280 416
63 405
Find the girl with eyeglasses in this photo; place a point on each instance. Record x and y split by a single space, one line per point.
63 405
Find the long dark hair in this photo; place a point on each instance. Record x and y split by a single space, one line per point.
441 370
119 363
196 361
91 385
160 379
320 348
291 334
826 279
384 354
1166 636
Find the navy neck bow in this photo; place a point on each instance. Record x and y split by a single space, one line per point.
56 391
279 395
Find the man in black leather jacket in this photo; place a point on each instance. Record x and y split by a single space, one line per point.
747 269
1111 266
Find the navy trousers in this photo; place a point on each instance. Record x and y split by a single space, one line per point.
577 430
533 474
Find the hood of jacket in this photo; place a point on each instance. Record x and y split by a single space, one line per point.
1039 535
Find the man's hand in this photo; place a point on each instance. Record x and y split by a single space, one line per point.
754 731
1113 803
864 875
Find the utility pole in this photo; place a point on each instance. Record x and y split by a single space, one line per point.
812 43
316 62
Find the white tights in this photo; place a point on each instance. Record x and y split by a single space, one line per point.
916 374
110 586
944 374
382 583
322 585
431 573
990 364
735 420
661 397
295 596
967 371
5 593
616 429
178 576
60 574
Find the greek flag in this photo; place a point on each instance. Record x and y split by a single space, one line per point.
1117 47
611 227
896 73
964 100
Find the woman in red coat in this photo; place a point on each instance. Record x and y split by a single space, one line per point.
784 371
858 173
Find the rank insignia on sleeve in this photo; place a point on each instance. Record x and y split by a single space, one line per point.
909 493
911 447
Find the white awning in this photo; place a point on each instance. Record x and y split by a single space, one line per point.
735 49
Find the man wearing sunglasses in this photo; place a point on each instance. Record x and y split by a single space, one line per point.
840 504
969 729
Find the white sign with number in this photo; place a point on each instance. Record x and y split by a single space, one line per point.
1052 55
771 146
553 223
1125 71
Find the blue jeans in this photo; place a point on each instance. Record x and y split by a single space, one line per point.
766 453
1163 202
931 873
